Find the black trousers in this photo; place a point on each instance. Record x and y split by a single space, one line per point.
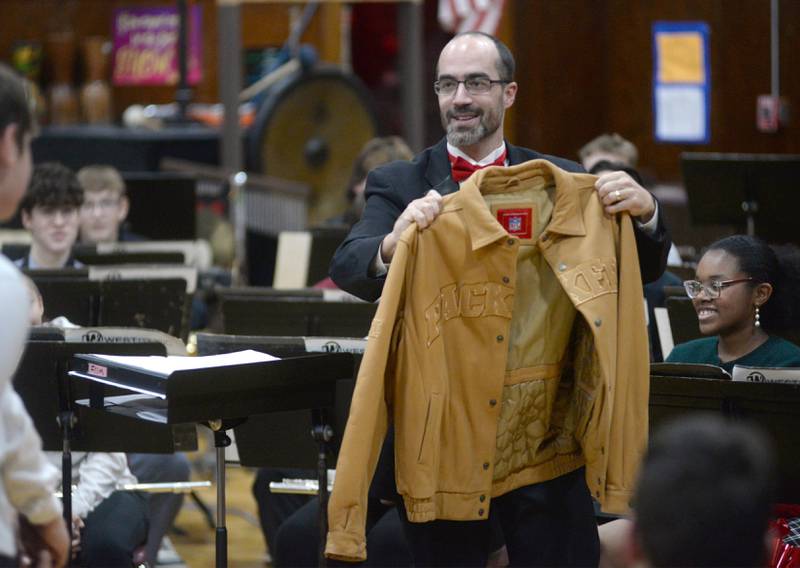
114 530
275 508
546 524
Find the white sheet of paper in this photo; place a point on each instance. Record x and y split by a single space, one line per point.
680 113
664 331
169 364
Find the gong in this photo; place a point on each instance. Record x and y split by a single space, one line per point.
310 128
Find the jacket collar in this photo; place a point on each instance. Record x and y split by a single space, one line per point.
484 229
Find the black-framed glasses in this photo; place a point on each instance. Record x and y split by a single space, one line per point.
712 289
474 85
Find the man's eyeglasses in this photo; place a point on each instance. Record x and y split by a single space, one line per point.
712 289
473 85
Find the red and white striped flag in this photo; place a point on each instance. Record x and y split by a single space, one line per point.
458 16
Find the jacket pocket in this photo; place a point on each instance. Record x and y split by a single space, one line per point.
430 432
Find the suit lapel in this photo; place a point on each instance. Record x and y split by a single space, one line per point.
438 172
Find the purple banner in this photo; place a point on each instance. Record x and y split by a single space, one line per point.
146 46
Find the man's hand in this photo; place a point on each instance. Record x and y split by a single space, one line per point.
43 541
618 191
421 211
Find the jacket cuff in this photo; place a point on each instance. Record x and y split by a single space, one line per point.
346 546
617 501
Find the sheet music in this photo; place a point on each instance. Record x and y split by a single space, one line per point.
167 365
664 331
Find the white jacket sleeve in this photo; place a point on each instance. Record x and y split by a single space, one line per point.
29 479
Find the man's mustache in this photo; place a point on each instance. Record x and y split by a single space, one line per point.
455 112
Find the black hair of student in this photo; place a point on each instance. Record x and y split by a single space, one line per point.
775 265
705 494
14 107
506 66
52 185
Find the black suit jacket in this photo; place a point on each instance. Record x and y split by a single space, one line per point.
392 187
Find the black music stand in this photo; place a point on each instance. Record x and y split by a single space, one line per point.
154 304
682 320
271 316
324 242
175 216
753 192
772 406
44 386
203 396
294 447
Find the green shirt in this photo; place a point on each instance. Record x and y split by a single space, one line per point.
774 352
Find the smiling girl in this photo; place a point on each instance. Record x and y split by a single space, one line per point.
744 292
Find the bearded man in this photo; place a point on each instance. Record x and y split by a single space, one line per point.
545 523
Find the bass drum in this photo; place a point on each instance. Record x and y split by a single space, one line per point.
310 129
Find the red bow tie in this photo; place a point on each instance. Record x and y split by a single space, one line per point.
462 169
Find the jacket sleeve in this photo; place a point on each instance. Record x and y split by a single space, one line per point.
630 396
351 262
653 250
28 478
368 420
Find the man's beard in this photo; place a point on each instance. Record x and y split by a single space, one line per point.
487 125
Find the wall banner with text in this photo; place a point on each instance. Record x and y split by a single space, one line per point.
146 46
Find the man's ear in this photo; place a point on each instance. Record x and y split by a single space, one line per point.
9 149
26 219
124 207
509 94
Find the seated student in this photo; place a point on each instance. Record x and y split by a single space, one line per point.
745 292
703 498
108 524
50 212
105 206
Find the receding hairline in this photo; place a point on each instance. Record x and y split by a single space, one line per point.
505 65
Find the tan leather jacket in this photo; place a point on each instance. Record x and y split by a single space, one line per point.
441 381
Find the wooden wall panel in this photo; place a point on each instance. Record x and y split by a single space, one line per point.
586 67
